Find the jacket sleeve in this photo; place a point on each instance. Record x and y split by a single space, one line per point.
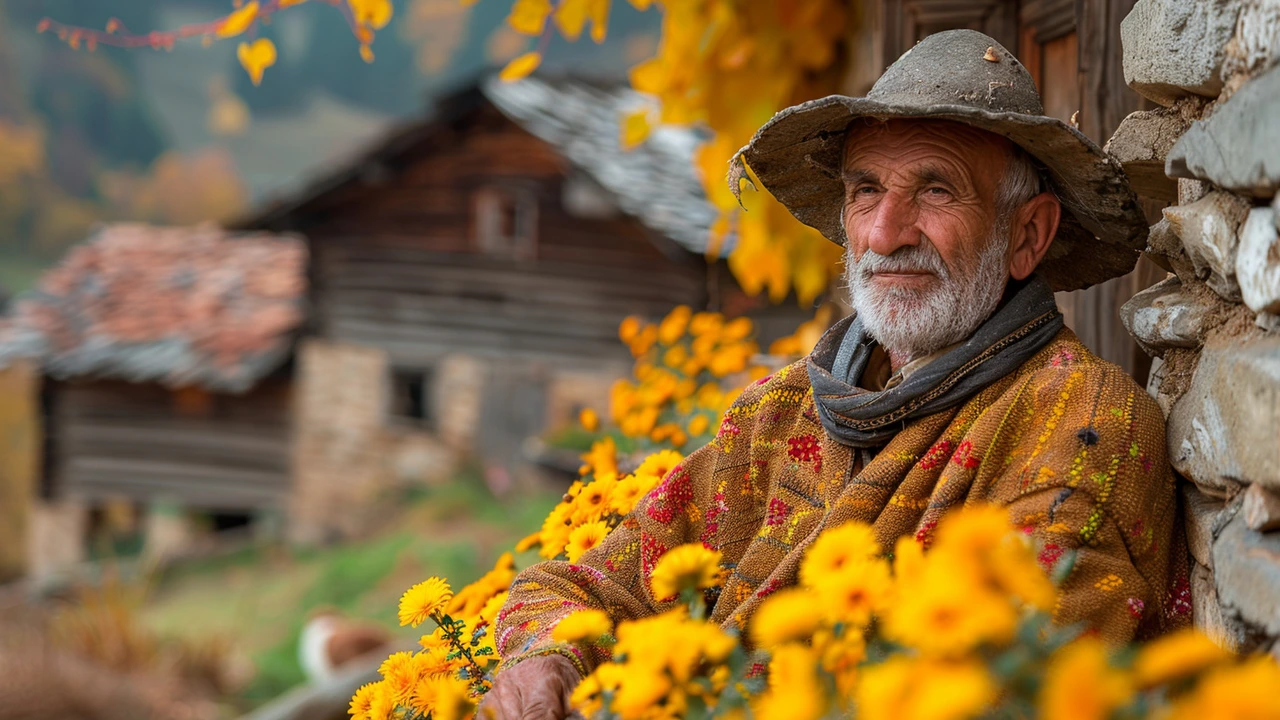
1091 483
614 576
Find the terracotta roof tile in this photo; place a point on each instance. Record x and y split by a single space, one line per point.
181 306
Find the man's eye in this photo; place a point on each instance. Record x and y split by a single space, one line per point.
865 191
938 192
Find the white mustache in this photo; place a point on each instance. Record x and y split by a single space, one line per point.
907 259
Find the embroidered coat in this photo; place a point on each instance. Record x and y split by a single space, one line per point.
1068 442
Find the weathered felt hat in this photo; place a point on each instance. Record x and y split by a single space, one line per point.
967 77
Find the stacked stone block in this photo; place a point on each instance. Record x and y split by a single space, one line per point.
1212 150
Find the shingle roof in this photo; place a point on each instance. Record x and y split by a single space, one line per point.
655 182
180 306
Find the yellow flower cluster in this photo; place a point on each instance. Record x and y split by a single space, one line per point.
681 362
591 509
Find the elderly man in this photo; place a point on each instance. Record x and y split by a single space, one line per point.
963 208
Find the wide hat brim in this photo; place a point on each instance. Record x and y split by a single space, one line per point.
797 156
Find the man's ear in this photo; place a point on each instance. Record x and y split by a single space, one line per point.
1034 227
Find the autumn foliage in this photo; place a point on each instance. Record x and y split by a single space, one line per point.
725 66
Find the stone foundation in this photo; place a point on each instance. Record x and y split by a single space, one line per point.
1214 323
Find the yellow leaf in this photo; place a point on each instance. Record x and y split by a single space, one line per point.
599 11
641 5
571 17
366 53
287 3
635 128
529 17
256 57
239 21
371 13
520 67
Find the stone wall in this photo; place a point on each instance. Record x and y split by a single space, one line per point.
1212 149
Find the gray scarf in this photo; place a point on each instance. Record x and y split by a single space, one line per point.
1023 324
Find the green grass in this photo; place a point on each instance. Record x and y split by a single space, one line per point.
260 598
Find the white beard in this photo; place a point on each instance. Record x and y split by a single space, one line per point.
911 322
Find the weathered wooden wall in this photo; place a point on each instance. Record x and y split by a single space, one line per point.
396 265
145 442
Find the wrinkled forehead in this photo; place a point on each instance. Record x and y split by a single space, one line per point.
878 140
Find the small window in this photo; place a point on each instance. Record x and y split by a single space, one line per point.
411 397
506 222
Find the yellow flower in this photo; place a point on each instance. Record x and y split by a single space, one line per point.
794 691
362 701
862 588
836 548
660 464
699 425
587 696
583 626
444 696
629 329
841 654
627 493
400 674
590 419
706 323
602 457
903 688
423 600
1175 656
641 694
973 530
675 356
685 567
1247 690
738 328
674 324
948 611
555 530
1080 683
593 502
786 616
584 537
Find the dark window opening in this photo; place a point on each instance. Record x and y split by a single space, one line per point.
411 397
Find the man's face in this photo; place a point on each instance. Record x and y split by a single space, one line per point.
927 256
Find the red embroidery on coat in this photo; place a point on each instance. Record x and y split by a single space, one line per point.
778 511
1050 554
925 534
936 455
671 497
805 448
964 456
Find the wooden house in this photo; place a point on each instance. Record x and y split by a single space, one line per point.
449 293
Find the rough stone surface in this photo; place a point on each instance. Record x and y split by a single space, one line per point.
1225 430
1141 144
1164 248
1258 261
1247 574
1207 228
1176 47
1165 316
1261 508
1237 147
1257 40
1202 521
1207 612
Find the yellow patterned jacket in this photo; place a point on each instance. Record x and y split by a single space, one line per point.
1068 442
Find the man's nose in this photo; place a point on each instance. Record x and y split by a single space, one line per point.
893 225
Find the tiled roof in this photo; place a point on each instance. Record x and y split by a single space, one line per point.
655 182
179 306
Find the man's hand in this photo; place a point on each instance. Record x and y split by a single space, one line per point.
535 689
